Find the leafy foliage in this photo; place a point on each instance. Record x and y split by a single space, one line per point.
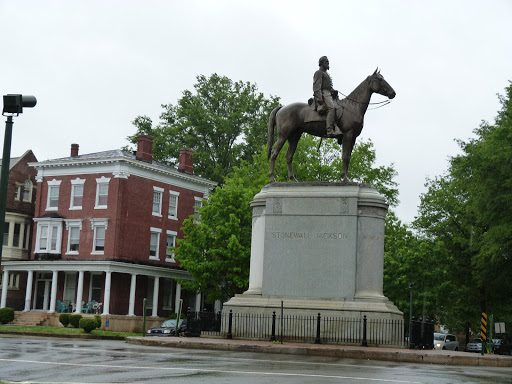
224 122
468 213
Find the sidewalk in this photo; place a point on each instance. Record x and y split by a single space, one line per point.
338 351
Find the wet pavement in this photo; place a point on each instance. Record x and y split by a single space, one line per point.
29 359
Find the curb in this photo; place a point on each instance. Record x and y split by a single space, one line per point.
336 351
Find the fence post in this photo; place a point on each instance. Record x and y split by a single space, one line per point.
273 336
230 324
317 340
365 342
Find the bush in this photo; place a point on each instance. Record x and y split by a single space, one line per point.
88 324
6 315
64 319
175 316
74 320
98 321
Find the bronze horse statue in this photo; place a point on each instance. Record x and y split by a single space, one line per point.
294 119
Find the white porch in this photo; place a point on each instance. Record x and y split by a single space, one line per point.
43 276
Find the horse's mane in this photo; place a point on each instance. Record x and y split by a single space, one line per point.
356 94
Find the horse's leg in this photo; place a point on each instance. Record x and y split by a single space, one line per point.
273 156
347 146
292 147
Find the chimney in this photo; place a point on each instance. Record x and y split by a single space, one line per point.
186 160
74 150
145 148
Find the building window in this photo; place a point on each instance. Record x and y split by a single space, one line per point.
101 192
171 242
27 191
13 282
95 287
154 243
74 227
198 204
157 201
173 205
99 227
49 235
52 204
6 233
77 193
16 237
17 191
26 232
149 292
167 294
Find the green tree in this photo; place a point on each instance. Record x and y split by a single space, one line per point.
224 122
216 250
468 213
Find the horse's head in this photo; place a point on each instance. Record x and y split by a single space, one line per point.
381 86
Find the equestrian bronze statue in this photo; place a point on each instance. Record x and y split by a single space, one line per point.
294 119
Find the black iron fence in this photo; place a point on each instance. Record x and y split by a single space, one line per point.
308 329
422 335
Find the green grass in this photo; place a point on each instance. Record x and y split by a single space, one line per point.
61 331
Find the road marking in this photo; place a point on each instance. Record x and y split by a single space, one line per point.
367 379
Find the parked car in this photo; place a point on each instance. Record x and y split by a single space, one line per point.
168 328
445 341
474 345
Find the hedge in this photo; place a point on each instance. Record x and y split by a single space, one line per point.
64 319
6 315
88 324
74 320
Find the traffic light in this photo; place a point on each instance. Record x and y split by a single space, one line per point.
15 103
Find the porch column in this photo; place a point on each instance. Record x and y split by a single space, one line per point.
178 298
5 284
28 293
53 295
156 286
198 302
106 294
46 296
131 310
79 292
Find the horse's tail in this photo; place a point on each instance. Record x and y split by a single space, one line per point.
271 125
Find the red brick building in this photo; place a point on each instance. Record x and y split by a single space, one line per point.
20 205
103 224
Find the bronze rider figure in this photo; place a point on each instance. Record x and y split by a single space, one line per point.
323 93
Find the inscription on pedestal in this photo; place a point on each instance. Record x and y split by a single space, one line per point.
308 235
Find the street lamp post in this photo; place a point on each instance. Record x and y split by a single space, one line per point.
13 105
411 286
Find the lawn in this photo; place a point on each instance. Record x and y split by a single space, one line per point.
61 331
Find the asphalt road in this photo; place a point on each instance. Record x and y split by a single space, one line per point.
51 360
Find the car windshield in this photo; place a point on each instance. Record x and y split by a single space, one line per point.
170 323
438 336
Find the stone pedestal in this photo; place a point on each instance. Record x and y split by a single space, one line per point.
317 247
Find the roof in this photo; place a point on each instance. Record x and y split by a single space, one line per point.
14 160
117 154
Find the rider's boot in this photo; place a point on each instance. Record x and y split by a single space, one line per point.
334 131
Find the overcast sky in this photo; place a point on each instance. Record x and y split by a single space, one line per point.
96 65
